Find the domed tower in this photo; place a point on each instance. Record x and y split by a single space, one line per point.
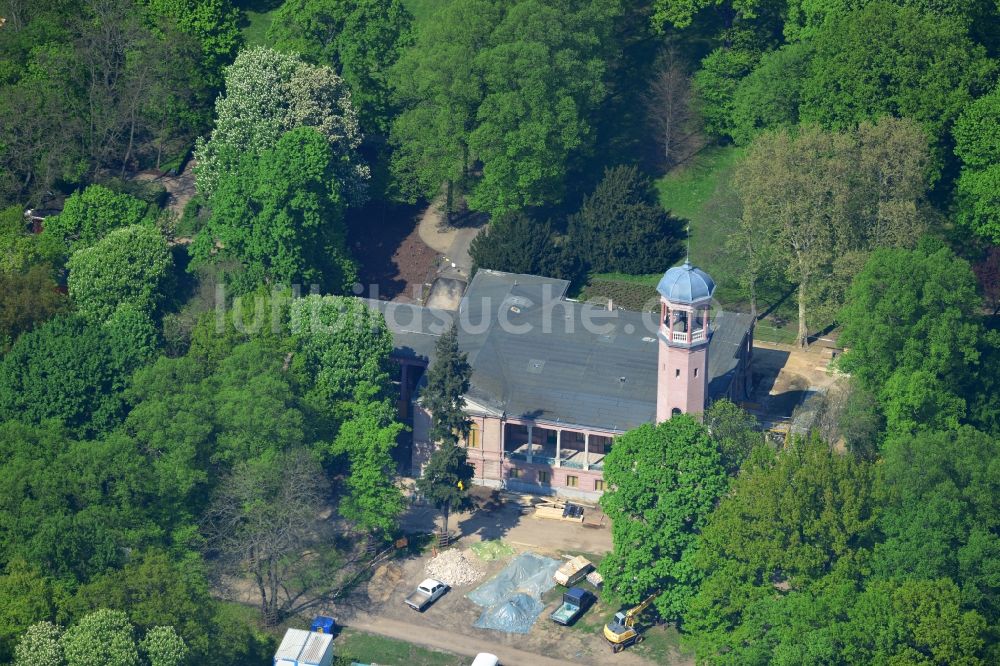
685 300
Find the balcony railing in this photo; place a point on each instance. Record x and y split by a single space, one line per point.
682 336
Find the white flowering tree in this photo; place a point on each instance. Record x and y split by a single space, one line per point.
101 638
39 646
269 93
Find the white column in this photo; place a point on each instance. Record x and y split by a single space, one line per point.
531 446
558 448
586 450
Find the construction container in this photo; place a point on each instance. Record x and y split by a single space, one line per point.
304 648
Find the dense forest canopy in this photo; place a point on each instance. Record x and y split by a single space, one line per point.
162 371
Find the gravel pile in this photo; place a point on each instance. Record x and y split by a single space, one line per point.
455 567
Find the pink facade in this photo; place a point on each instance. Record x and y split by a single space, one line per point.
527 457
683 359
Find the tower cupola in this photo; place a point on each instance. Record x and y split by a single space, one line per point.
684 333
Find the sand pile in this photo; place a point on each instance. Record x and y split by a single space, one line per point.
455 567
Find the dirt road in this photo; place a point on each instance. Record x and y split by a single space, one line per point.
461 643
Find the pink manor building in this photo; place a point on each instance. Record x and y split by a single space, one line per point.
554 381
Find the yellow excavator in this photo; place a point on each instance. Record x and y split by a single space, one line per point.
621 631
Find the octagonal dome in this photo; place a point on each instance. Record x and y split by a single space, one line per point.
686 284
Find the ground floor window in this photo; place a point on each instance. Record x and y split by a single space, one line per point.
514 473
543 477
572 481
598 484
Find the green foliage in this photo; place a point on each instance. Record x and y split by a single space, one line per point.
621 227
373 502
941 513
212 24
344 351
664 481
102 638
779 553
27 298
89 215
884 59
818 202
155 590
543 74
513 86
361 40
66 370
439 86
19 249
280 213
516 243
735 433
26 596
912 327
163 647
977 144
716 84
447 383
681 13
268 94
770 95
913 622
126 268
447 476
73 508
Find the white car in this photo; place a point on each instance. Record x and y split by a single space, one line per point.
486 659
426 593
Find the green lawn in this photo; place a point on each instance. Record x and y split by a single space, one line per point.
352 645
255 24
701 193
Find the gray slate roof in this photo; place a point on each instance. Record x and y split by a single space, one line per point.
536 355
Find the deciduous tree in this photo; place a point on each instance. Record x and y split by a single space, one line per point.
280 214
102 638
361 40
268 94
913 329
795 523
39 646
663 482
264 522
671 110
89 215
977 144
66 370
126 268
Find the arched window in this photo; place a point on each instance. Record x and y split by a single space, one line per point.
675 412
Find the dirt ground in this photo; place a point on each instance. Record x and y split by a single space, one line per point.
404 250
180 188
395 264
785 375
448 624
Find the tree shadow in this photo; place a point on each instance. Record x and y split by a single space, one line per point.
492 518
374 234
